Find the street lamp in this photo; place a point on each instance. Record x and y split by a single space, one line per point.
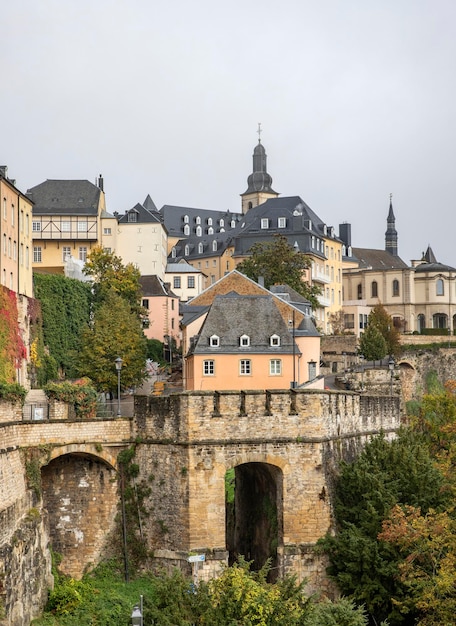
391 370
136 616
119 364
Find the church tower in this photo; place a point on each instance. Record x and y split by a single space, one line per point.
259 182
391 232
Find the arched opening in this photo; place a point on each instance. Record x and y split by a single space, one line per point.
421 322
439 320
80 496
254 514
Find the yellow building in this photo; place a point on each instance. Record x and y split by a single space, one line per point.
15 235
68 221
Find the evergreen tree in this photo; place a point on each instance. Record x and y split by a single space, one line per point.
380 318
372 344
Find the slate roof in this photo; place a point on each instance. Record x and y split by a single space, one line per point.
191 313
143 215
173 218
65 197
194 244
378 259
301 224
430 264
152 285
232 316
182 268
292 297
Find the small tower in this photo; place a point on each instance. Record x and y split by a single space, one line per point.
259 182
391 232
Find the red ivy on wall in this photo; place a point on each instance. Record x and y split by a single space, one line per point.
12 348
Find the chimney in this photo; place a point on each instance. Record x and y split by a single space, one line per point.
4 171
100 183
345 234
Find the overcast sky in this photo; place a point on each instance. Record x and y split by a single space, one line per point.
356 100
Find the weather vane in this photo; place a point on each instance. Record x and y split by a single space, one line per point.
259 132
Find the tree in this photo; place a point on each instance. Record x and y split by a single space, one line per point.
115 331
110 274
372 344
279 264
385 474
380 318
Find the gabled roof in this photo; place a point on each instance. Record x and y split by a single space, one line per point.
143 216
378 259
152 285
182 268
232 316
65 197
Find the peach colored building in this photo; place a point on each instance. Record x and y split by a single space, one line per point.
238 335
163 310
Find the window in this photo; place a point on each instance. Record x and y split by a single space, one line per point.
209 367
145 303
186 220
37 254
190 282
244 341
186 230
4 211
82 227
177 282
214 341
107 231
83 253
173 252
172 304
360 292
14 250
132 216
374 289
282 222
313 241
36 227
199 231
9 247
4 243
349 320
12 215
222 223
245 367
214 246
21 254
198 220
264 222
66 227
200 248
439 288
274 340
233 223
275 367
210 230
187 250
209 221
395 287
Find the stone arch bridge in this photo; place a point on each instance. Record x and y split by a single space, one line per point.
59 481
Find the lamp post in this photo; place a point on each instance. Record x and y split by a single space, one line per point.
391 370
361 360
137 616
119 364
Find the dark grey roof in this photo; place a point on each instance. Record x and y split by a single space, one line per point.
292 297
430 263
191 313
152 285
200 247
149 204
233 315
173 218
378 259
259 179
65 197
143 216
301 223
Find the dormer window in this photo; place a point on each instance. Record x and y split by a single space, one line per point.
325 229
222 223
210 230
199 231
282 222
214 246
233 224
244 341
186 230
187 250
198 220
173 252
200 248
264 223
209 221
214 341
132 217
274 341
186 220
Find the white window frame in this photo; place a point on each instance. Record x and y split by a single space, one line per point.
82 253
244 341
82 227
275 367
264 223
208 367
107 231
214 341
274 341
245 367
37 254
66 251
66 226
282 222
36 227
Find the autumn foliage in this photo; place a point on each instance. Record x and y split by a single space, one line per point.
12 348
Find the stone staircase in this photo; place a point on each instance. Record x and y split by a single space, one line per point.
36 405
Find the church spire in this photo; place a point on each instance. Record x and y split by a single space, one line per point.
259 182
391 232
